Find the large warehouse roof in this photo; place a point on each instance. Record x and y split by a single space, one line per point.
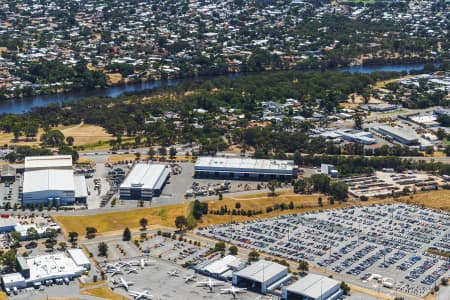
401 133
244 163
146 176
313 286
80 186
261 271
50 161
51 266
49 179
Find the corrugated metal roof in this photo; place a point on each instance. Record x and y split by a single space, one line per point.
49 161
313 286
54 180
244 163
79 257
262 271
146 176
80 186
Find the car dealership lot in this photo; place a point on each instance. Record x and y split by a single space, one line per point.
379 244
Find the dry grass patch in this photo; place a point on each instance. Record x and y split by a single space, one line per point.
164 216
117 221
433 199
86 134
114 78
103 292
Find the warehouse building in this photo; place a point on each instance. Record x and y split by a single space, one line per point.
401 136
221 268
49 180
63 162
144 182
79 258
36 271
313 287
260 275
7 224
244 168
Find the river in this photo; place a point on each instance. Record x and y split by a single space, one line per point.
22 105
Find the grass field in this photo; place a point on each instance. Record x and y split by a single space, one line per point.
84 134
114 78
103 292
433 199
115 222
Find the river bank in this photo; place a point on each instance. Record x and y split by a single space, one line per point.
22 105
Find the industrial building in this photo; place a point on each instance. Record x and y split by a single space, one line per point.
260 275
245 168
401 136
36 271
350 135
144 182
221 268
54 187
49 180
79 258
329 170
7 224
33 163
313 287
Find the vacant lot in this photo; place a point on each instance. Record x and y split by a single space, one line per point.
433 199
164 216
86 134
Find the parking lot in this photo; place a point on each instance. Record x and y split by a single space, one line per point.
379 245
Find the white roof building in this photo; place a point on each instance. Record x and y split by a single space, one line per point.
144 181
262 273
48 179
244 167
47 162
79 258
313 287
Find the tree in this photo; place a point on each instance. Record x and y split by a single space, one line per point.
73 236
70 140
62 246
219 247
338 190
180 222
126 236
272 185
32 233
151 153
345 288
233 250
303 266
358 121
8 259
53 138
320 183
253 256
103 249
237 205
90 232
172 152
143 222
162 151
320 201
